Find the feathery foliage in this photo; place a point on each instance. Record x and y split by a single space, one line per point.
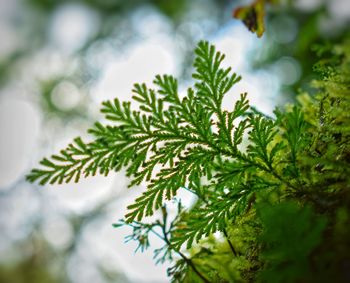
267 185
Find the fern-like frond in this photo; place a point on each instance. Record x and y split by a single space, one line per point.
171 142
78 159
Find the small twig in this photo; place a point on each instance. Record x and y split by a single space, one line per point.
185 258
230 243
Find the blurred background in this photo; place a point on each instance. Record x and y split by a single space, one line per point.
60 59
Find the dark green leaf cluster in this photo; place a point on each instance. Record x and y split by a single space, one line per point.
286 250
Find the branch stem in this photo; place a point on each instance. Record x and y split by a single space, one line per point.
185 258
230 243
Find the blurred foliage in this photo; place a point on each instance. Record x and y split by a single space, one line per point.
33 267
294 33
281 16
27 272
108 7
34 19
47 90
290 234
